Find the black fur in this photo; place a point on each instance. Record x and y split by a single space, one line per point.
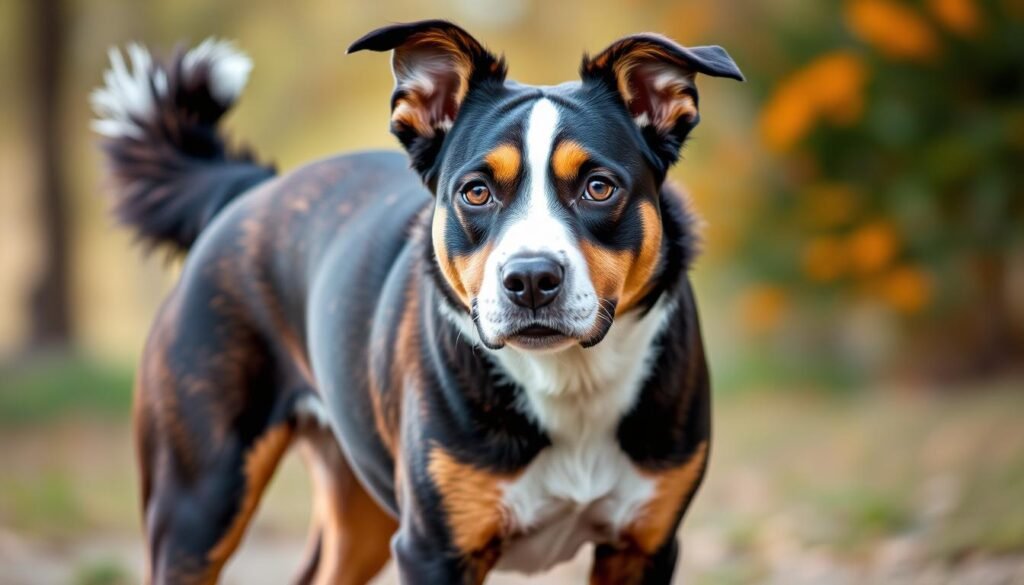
327 282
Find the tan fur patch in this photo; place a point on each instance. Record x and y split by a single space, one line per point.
623 276
406 366
569 156
471 269
444 259
504 161
448 43
657 519
410 113
260 463
471 499
465 273
638 282
411 110
682 106
352 530
395 370
674 101
624 567
608 269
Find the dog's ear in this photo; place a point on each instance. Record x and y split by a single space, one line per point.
654 76
435 64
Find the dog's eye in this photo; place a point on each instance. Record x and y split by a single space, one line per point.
599 189
476 193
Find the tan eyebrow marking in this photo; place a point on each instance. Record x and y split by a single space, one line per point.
569 156
504 161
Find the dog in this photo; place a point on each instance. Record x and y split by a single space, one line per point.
488 357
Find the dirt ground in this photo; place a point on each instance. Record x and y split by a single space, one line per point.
896 488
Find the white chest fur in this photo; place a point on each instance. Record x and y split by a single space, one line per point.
582 488
569 495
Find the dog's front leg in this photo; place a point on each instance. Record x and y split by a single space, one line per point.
451 518
428 548
425 561
632 566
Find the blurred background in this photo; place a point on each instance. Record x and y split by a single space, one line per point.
862 280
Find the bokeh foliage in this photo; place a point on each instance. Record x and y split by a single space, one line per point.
895 193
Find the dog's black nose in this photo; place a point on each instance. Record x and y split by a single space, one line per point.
532 281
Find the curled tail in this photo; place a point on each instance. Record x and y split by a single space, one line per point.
172 167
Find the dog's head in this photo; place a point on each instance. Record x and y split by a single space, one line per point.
547 221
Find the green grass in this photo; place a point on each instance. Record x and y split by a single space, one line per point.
760 370
47 388
989 516
102 572
730 574
46 504
860 515
80 489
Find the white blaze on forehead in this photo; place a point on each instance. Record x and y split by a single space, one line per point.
538 229
540 140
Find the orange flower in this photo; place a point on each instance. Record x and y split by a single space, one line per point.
829 204
762 308
838 83
824 259
959 16
829 87
788 116
907 289
893 28
872 247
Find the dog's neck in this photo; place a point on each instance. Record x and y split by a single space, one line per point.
578 391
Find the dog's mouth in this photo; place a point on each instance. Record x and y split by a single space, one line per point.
539 337
538 330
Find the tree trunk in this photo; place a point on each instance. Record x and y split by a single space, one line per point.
995 350
49 302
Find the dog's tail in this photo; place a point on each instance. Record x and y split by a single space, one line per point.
171 165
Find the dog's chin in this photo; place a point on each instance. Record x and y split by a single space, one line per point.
541 339
603 327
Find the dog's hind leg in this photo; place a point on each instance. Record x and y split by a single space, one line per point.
212 420
351 534
194 524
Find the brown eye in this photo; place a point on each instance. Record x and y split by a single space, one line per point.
599 189
476 194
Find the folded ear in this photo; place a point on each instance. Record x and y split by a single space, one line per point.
655 78
435 64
